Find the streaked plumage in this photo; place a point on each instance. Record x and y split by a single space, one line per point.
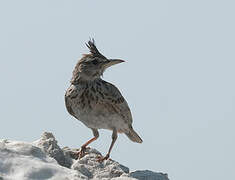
97 103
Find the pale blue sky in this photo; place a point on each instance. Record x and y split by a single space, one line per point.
178 78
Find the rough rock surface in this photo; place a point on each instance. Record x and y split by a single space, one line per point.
44 159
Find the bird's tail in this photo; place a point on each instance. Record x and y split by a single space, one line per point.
132 135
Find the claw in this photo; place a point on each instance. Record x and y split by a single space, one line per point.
82 152
101 159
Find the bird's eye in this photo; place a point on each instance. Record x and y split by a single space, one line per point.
95 61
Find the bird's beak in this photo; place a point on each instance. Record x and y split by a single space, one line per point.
112 62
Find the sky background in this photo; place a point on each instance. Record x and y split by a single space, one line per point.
178 78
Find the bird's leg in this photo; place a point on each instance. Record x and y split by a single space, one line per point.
81 153
114 138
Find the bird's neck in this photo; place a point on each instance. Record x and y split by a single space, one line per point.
82 80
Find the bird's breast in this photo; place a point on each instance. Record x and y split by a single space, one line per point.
91 105
84 99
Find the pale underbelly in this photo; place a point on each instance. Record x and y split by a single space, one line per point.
101 121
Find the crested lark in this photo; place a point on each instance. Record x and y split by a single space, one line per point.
96 103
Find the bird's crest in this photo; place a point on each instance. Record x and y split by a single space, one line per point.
93 49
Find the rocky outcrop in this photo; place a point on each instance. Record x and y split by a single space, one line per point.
44 159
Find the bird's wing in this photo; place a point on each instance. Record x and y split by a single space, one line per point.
71 93
113 100
69 106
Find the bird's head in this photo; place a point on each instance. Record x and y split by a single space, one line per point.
92 66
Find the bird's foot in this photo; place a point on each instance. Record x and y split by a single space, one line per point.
101 159
82 152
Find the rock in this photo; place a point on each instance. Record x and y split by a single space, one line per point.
21 160
148 175
44 159
89 166
49 145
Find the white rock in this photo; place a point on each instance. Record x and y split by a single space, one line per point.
44 159
48 144
23 161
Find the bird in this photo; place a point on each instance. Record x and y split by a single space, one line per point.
96 103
